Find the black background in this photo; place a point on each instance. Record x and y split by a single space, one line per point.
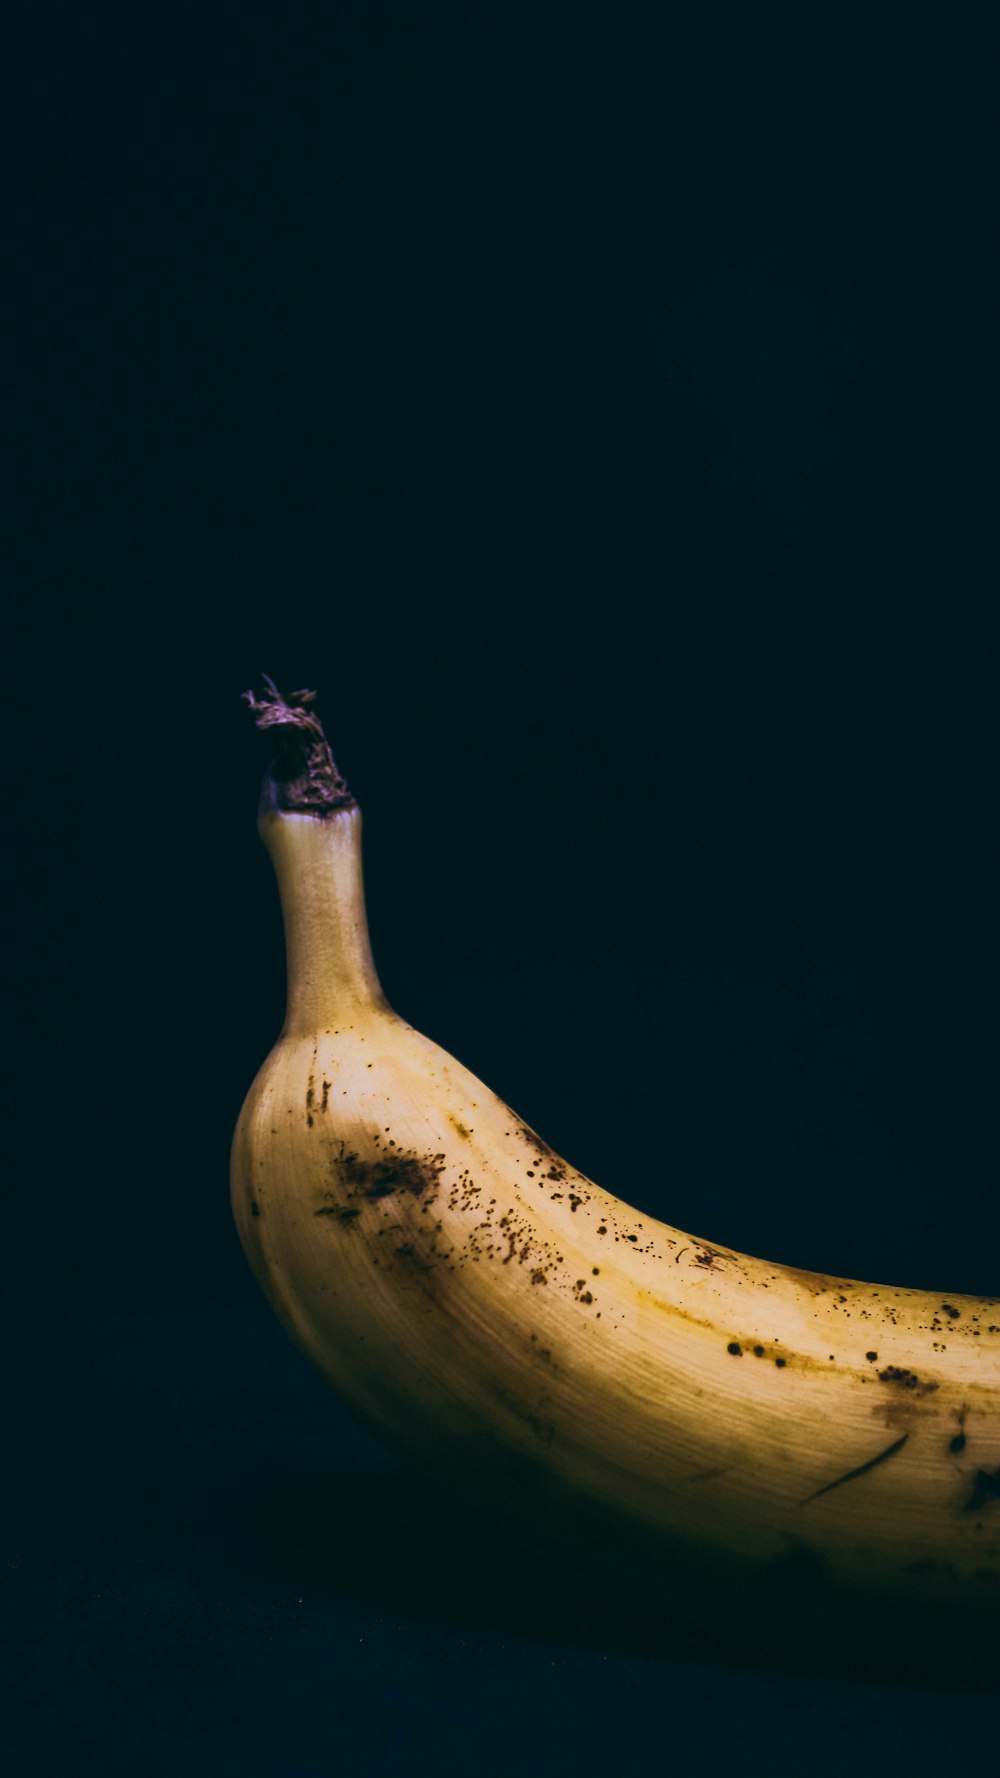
599 408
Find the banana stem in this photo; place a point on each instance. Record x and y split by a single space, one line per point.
311 826
331 972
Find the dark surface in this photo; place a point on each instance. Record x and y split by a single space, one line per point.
213 1571
599 411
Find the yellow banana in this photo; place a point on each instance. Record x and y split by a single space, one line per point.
784 1448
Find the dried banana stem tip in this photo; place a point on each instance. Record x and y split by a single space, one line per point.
302 778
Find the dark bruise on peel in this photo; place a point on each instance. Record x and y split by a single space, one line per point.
387 1174
985 1491
408 1186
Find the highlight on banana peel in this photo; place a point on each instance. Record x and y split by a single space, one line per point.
785 1453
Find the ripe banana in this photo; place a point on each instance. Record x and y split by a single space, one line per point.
806 1456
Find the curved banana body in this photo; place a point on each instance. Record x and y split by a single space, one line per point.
479 1303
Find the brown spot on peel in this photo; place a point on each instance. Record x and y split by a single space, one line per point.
904 1379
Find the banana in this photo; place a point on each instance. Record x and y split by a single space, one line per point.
786 1454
